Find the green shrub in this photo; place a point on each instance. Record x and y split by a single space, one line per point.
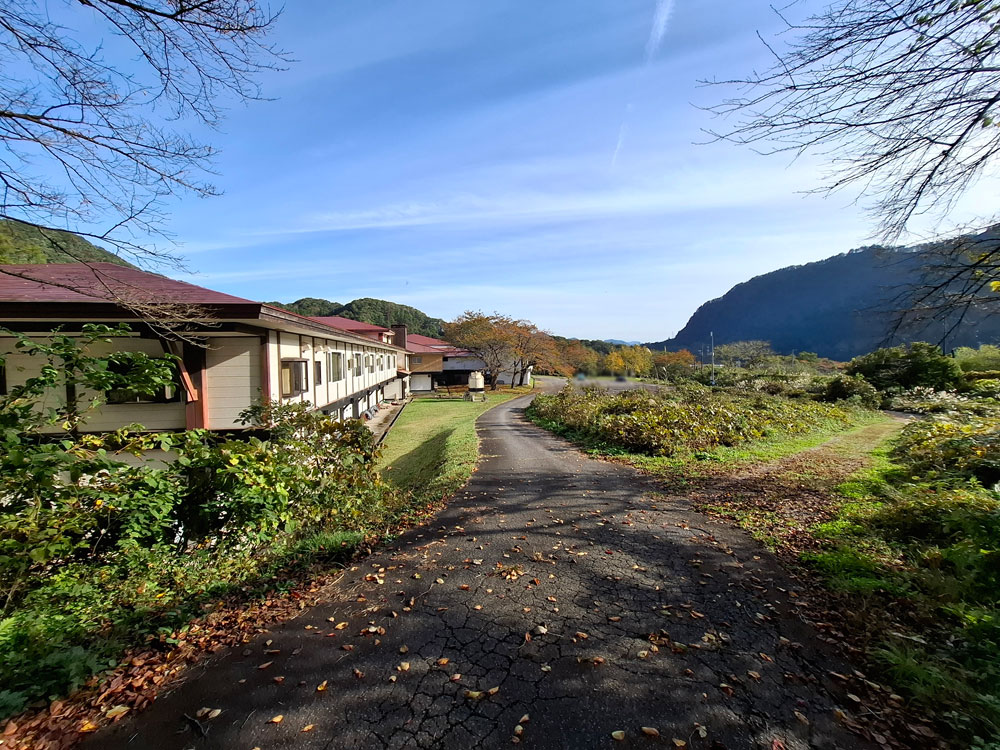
852 388
96 553
986 357
684 419
984 388
904 367
942 448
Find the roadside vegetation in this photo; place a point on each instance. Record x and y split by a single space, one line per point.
432 449
99 553
900 520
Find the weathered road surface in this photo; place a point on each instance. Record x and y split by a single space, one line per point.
545 578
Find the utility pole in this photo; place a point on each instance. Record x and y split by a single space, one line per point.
712 338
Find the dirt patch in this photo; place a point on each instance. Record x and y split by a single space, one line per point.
781 501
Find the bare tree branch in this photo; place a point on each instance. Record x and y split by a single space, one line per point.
900 96
87 139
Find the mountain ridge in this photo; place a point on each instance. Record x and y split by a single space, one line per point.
368 310
838 307
26 243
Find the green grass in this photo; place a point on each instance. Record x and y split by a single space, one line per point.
771 448
432 449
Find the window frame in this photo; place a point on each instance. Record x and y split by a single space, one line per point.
334 366
168 394
293 365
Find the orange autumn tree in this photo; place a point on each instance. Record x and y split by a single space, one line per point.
534 348
490 337
673 364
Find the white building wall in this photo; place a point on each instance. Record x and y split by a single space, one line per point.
233 377
151 416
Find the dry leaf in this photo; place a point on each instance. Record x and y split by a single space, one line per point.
618 734
473 695
339 625
308 727
276 719
117 711
518 730
494 690
524 719
265 665
679 743
214 713
321 687
650 732
442 661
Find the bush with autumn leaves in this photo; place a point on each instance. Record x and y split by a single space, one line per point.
682 419
101 546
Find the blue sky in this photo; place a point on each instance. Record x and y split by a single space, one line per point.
533 158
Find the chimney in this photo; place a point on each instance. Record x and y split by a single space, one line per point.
399 335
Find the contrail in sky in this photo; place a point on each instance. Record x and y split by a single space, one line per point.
661 21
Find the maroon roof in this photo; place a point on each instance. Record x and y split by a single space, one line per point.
346 324
102 283
418 344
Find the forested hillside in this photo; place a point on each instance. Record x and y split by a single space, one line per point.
840 307
23 243
376 311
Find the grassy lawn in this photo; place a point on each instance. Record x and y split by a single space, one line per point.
432 449
685 467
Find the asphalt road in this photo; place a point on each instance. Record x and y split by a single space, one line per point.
591 603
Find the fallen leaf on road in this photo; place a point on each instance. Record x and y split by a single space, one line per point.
276 719
618 734
117 711
321 687
651 731
308 727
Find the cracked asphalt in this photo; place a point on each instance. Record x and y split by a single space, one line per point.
592 603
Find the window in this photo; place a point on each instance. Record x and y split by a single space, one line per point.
357 364
370 362
164 395
319 372
334 367
417 360
294 377
381 362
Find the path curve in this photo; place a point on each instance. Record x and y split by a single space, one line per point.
593 604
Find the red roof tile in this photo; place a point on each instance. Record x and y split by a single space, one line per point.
101 283
346 324
419 344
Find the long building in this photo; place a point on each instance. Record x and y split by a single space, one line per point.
238 352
